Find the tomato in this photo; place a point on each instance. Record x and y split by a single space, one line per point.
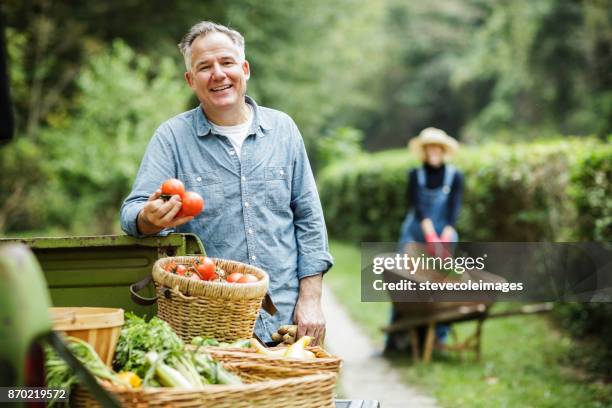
171 267
192 204
248 278
193 276
181 269
234 277
212 276
206 268
171 187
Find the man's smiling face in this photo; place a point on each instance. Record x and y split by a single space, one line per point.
218 74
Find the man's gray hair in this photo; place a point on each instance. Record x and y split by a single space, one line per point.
206 27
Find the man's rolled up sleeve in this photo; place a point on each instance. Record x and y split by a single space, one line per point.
157 165
129 215
310 231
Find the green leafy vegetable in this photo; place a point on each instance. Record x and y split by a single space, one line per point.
155 353
213 371
59 375
168 376
138 337
244 343
202 341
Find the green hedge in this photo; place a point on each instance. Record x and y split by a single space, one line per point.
522 192
589 324
591 194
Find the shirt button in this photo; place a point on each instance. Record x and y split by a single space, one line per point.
253 257
243 178
281 172
232 152
246 204
250 231
199 179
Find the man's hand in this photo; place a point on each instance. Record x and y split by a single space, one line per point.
308 311
158 214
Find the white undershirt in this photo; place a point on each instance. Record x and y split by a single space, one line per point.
236 134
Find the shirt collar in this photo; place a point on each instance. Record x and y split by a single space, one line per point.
203 126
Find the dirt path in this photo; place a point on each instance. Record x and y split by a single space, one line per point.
364 374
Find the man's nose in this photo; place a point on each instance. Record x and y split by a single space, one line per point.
218 72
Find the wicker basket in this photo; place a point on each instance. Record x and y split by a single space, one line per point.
98 326
299 391
250 371
219 310
324 362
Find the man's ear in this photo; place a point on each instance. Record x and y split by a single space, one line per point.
189 79
246 69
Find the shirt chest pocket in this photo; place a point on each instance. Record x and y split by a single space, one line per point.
210 186
278 189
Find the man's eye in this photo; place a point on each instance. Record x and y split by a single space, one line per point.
228 63
204 67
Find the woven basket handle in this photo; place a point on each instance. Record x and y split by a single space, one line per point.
137 287
176 292
268 305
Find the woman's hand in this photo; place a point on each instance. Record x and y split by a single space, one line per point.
431 236
448 234
428 228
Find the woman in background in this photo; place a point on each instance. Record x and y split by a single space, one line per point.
435 191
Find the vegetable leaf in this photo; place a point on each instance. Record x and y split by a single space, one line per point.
139 337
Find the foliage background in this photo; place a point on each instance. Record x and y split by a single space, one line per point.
91 82
511 80
554 190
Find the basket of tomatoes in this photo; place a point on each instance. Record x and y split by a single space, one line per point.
208 297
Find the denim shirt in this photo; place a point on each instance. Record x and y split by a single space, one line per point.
262 209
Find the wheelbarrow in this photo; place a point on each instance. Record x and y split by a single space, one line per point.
422 310
425 310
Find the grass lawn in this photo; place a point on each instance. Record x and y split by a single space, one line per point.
520 364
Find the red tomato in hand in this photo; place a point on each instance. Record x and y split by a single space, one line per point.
248 278
191 204
181 269
234 277
206 268
171 187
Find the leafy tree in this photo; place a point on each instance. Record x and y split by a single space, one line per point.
426 39
56 38
495 69
124 96
384 69
82 166
313 62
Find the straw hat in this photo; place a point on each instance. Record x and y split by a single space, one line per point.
432 135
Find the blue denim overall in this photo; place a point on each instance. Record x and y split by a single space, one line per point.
436 201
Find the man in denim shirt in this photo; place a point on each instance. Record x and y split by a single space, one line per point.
250 166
